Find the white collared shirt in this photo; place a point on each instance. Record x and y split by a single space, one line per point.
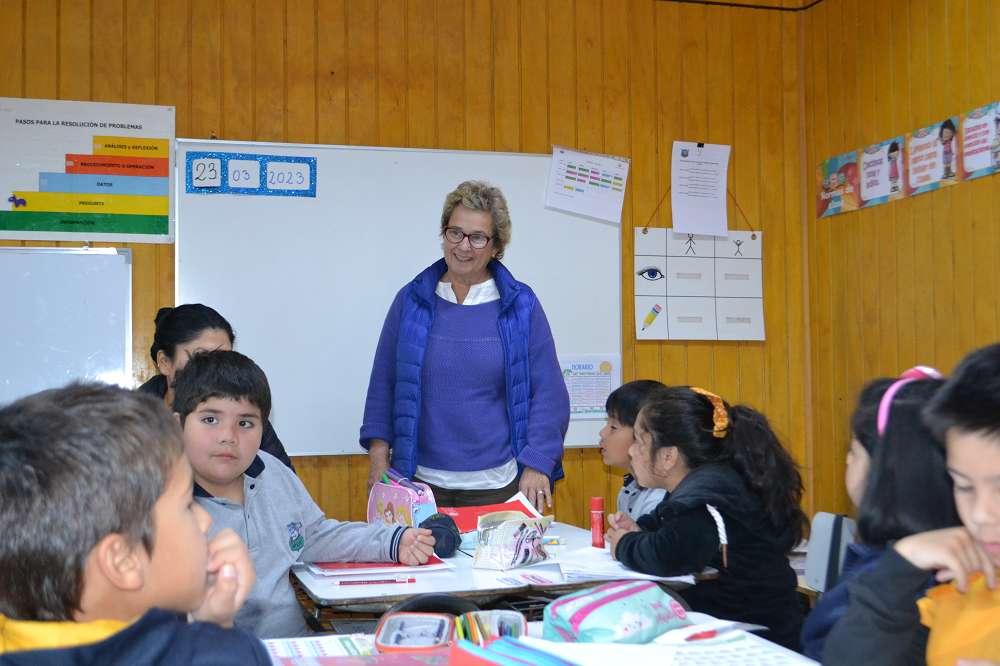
484 292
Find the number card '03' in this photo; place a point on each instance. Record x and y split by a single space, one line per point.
242 173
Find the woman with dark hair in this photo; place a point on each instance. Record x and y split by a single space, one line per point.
181 333
733 505
898 480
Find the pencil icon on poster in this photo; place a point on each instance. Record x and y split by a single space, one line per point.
651 316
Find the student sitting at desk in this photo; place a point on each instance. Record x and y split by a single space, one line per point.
623 406
733 505
958 620
896 477
222 400
181 333
103 547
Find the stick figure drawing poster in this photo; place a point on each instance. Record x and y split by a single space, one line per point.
696 287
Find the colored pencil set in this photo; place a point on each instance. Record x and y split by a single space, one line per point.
483 627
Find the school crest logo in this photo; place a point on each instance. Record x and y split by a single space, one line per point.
295 540
684 152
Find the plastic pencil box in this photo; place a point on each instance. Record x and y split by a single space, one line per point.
397 504
403 632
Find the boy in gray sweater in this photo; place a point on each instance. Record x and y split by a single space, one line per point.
222 400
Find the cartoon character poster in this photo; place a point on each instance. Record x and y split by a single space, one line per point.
882 172
933 156
838 189
980 138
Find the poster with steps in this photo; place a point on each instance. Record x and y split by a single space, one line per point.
86 171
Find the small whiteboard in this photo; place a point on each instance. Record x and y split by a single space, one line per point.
67 315
307 281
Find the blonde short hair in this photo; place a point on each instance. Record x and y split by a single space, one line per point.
480 195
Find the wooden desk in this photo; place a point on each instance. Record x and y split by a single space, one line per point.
480 586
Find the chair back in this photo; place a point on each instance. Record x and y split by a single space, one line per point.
829 536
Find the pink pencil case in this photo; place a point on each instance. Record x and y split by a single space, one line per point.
398 504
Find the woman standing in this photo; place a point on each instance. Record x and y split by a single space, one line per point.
466 393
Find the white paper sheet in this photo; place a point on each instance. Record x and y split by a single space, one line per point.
698 196
597 564
587 184
319 646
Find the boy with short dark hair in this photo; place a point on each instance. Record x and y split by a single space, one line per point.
956 621
623 406
102 545
222 398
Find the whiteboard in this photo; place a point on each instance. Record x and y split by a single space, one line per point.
307 282
67 314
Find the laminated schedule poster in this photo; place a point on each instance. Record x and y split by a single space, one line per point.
695 287
980 136
933 156
590 379
86 171
883 172
587 184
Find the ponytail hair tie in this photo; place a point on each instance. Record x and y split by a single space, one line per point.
720 417
911 375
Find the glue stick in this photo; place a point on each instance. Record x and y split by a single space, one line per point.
597 522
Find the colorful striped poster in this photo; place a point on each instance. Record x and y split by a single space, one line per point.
838 189
86 171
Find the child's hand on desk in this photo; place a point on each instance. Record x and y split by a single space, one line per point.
953 552
611 538
622 521
231 577
415 546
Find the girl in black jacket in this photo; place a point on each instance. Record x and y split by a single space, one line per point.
733 505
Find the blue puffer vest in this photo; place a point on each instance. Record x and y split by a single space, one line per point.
415 320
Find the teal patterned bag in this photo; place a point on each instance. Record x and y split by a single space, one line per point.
630 611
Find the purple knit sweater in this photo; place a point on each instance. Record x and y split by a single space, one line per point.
464 424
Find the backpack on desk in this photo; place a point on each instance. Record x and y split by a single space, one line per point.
396 504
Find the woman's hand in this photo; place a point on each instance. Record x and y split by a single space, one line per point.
622 521
378 461
953 552
535 487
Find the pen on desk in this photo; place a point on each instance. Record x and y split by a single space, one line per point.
374 582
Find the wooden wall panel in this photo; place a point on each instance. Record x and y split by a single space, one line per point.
627 77
912 281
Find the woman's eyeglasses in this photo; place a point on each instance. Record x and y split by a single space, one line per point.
456 236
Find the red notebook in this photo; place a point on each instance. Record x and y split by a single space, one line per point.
349 567
467 517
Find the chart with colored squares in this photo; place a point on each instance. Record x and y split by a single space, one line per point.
694 287
86 171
